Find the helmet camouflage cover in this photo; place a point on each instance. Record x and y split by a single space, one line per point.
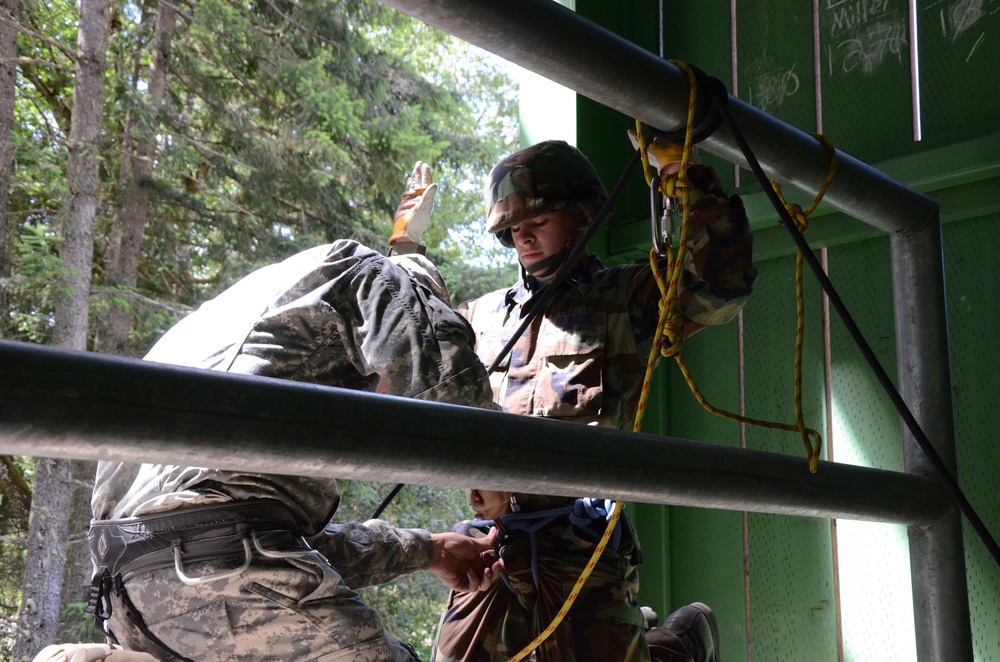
540 179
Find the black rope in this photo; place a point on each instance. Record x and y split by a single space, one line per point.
387 500
537 304
897 400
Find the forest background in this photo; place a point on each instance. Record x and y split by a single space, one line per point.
154 152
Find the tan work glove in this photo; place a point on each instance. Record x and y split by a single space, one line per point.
662 155
90 653
415 207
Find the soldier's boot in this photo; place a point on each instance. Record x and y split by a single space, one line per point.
413 212
696 627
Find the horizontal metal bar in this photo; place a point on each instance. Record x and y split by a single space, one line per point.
58 403
555 42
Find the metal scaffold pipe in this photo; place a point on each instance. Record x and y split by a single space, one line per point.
555 42
59 403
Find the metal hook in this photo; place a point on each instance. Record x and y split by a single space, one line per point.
659 212
195 581
307 553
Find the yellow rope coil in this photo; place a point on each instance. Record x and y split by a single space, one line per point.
669 337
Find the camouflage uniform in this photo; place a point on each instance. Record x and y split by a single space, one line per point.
340 315
582 359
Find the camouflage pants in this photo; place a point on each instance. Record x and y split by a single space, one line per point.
604 624
279 609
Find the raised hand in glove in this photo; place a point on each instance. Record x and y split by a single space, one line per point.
415 207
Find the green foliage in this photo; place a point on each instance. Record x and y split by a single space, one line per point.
412 605
13 537
76 626
29 290
284 125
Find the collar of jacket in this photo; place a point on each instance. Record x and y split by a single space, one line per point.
580 277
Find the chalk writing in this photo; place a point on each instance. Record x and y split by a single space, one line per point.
957 20
870 48
964 14
769 90
846 15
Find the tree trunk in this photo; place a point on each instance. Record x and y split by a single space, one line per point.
79 569
9 15
38 618
138 154
82 174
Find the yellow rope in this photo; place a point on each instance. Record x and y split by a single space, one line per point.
669 338
581 580
810 438
670 327
677 185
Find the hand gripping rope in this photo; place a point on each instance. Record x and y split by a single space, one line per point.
669 338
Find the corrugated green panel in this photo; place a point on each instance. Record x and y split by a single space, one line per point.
865 76
652 524
706 546
775 59
959 52
792 601
873 559
770 323
603 133
706 551
792 607
971 250
866 425
699 33
712 358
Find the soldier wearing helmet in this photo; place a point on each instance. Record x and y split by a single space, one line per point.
582 359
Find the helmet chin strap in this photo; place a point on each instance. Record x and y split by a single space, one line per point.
547 267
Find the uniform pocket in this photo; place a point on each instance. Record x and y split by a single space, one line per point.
572 349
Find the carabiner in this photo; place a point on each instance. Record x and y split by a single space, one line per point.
660 215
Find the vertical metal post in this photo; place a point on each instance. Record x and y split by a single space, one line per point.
937 553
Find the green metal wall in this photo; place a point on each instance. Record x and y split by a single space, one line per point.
790 588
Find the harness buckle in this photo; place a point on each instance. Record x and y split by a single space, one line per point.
195 581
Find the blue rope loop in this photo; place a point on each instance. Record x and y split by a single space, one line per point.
588 516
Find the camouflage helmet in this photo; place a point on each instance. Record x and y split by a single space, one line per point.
540 179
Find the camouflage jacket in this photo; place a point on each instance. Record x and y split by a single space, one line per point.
583 358
339 315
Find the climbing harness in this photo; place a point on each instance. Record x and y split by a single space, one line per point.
582 514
